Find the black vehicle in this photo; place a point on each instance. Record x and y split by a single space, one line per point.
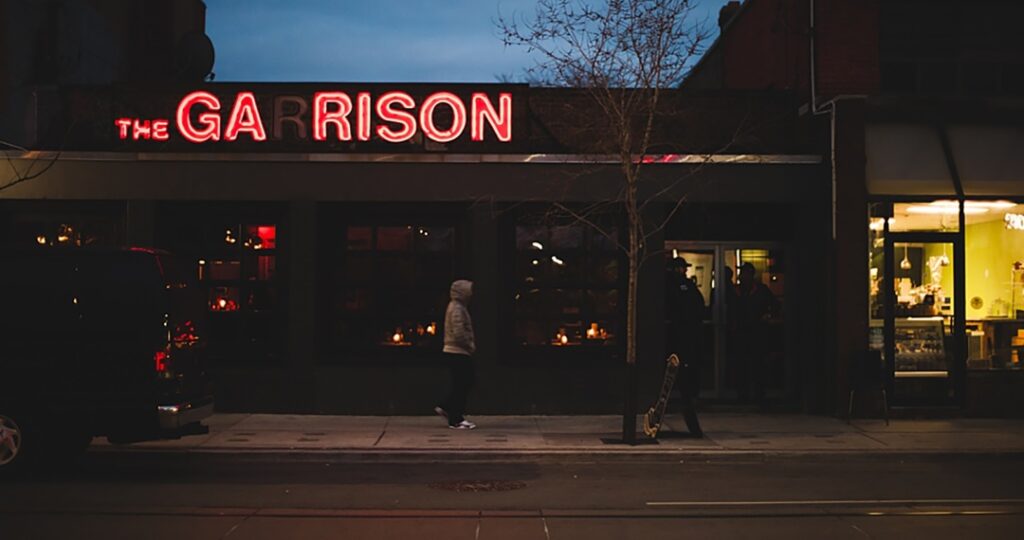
97 343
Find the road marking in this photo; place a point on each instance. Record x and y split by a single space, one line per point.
835 502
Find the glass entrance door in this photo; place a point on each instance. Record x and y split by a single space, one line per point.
922 319
744 351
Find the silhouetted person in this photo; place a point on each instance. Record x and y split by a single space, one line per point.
685 310
459 346
727 288
754 306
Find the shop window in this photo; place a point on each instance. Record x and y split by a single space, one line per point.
879 213
391 287
236 264
994 248
567 283
936 216
64 229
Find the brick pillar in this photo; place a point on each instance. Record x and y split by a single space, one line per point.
301 305
851 241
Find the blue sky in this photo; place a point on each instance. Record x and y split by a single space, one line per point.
368 40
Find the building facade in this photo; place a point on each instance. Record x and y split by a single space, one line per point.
924 101
798 145
327 262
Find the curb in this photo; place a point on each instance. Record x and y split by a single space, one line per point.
488 454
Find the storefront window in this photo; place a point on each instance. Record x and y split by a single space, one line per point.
994 246
567 286
236 264
878 214
392 287
935 216
64 225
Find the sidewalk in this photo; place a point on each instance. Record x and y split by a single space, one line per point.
726 434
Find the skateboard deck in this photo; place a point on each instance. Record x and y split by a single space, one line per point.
656 413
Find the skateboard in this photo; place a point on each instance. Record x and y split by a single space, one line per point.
656 413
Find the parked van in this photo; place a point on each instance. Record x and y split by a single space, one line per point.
97 343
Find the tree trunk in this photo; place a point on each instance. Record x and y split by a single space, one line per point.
630 405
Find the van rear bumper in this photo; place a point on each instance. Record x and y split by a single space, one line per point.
176 416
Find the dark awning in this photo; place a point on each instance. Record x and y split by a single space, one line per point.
906 159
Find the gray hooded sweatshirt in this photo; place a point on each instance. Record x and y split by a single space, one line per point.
458 327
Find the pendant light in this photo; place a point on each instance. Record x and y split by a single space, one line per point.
944 261
905 263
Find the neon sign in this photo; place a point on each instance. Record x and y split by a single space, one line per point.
393 117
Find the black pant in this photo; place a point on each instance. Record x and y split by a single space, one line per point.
688 379
463 375
688 384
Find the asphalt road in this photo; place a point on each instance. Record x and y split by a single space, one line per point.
197 496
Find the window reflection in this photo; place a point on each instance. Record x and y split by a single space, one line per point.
392 283
567 285
74 232
236 262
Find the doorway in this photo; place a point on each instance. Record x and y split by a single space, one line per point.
923 318
745 357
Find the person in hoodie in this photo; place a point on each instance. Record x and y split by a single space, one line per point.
459 346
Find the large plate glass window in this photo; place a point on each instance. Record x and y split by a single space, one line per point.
994 249
567 284
391 287
236 260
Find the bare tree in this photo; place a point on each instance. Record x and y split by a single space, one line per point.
624 56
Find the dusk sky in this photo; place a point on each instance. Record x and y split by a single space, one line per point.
358 40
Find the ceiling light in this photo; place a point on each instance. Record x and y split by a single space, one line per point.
935 209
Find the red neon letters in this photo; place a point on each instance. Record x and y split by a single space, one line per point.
211 120
393 117
245 116
322 116
500 121
458 117
387 113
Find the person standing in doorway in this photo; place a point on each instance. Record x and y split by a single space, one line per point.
754 307
685 309
459 346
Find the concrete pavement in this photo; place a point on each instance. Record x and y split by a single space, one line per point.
727 434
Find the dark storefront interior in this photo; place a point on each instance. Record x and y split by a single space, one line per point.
550 307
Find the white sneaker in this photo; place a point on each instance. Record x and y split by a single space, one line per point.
465 424
441 412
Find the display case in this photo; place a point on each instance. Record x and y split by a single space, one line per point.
920 346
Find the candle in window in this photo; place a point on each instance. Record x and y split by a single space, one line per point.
564 339
432 329
397 337
592 331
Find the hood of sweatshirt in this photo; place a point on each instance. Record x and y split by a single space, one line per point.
462 290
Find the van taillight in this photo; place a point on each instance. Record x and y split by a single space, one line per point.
160 361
